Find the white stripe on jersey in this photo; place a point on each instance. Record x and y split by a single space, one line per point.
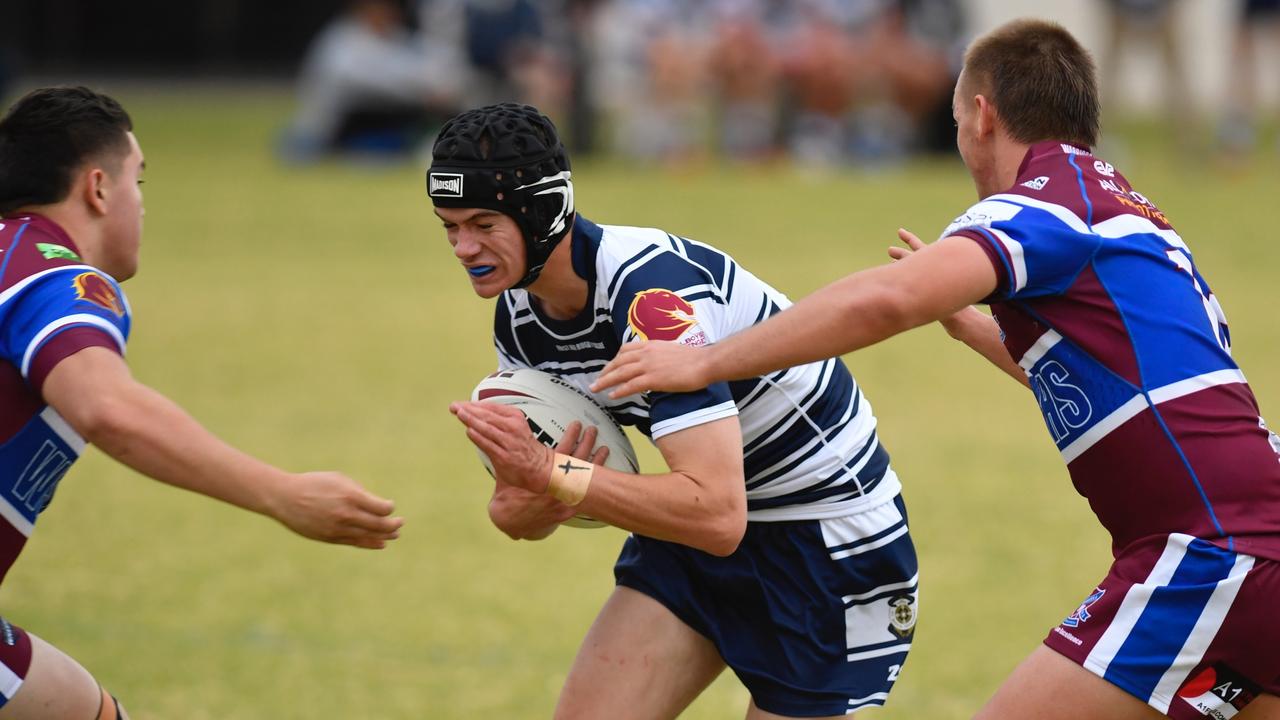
1138 403
1059 211
14 517
982 215
1017 259
533 318
618 281
1103 427
725 272
1178 389
62 322
1042 345
688 420
64 431
1126 224
8 294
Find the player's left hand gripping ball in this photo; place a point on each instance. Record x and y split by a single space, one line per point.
502 433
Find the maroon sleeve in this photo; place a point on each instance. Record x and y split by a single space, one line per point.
997 258
62 345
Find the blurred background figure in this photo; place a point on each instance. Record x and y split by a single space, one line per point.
655 54
824 83
824 73
368 84
1257 20
1131 25
919 49
511 50
745 73
871 80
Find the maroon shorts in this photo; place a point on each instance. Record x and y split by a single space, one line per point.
15 659
1183 625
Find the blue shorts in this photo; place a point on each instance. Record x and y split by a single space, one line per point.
815 617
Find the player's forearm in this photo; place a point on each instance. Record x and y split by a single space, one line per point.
847 315
672 506
980 332
146 431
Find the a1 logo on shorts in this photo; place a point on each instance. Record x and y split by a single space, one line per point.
1081 613
1218 692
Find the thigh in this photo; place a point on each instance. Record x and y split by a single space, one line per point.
1264 707
1048 686
639 661
56 687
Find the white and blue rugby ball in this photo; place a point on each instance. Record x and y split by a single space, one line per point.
551 404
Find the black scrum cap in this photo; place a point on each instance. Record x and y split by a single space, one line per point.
507 158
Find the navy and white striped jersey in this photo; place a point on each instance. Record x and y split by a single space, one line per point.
810 446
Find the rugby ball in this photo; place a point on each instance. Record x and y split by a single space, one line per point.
550 403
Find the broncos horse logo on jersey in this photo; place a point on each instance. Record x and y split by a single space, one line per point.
92 287
659 314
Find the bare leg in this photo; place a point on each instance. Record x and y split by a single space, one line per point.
1047 686
637 661
1263 707
56 688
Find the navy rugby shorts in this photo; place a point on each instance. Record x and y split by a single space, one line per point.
815 617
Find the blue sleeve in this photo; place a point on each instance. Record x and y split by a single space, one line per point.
1036 251
59 301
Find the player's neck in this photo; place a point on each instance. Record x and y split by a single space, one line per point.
1007 157
560 292
73 223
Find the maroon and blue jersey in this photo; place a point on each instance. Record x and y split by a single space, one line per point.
1129 355
51 305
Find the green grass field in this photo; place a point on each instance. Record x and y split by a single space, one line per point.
316 317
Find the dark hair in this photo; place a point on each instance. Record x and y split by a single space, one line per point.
508 158
50 133
1040 79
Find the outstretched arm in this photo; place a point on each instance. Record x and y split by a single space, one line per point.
95 393
854 312
970 325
